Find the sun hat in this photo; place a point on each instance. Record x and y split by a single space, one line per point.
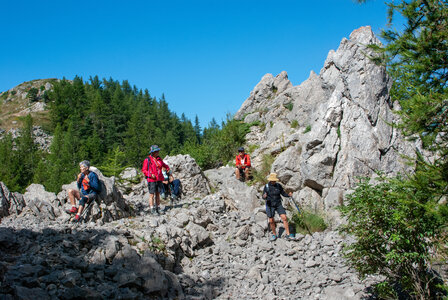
154 148
272 177
241 149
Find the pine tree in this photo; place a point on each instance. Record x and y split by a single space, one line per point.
115 163
197 129
9 163
27 155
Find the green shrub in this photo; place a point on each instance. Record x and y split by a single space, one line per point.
307 129
307 222
398 226
252 148
32 94
294 124
271 123
157 245
262 126
42 88
255 123
13 93
289 106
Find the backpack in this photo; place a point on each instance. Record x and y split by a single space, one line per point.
100 182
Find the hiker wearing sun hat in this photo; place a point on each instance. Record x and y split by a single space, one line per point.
272 193
152 169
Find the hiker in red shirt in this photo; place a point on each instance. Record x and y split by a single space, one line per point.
242 162
152 169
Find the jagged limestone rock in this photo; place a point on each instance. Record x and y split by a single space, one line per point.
341 125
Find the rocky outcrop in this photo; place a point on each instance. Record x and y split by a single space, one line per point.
185 168
10 203
236 194
330 129
40 137
37 202
110 204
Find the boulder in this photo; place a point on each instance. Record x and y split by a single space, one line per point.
185 168
43 204
110 204
238 194
10 203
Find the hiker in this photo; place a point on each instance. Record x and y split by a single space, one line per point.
152 169
271 193
171 186
88 188
242 162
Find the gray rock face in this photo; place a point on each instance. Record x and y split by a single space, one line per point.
10 203
330 129
110 204
43 204
237 194
41 138
185 168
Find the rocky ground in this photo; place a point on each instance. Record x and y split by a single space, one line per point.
198 249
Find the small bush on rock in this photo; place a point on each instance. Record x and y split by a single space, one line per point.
294 124
308 222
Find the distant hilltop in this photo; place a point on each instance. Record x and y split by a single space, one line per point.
27 98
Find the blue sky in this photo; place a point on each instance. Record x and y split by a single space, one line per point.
205 56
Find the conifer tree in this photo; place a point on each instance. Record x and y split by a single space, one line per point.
9 163
115 163
27 156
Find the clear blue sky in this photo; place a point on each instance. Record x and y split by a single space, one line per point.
205 56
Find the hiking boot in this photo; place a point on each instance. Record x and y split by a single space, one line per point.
153 211
290 237
77 219
273 238
73 210
158 211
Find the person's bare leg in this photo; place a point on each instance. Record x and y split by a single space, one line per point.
151 200
285 223
73 195
272 224
237 173
157 199
81 207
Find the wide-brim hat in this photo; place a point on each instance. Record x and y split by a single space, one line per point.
272 177
154 148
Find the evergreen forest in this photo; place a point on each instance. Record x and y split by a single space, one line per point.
112 125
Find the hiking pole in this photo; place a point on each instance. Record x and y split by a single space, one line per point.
85 211
300 213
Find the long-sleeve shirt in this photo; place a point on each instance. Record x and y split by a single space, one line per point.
88 183
153 166
273 192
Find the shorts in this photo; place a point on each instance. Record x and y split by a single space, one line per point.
270 210
155 187
87 198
